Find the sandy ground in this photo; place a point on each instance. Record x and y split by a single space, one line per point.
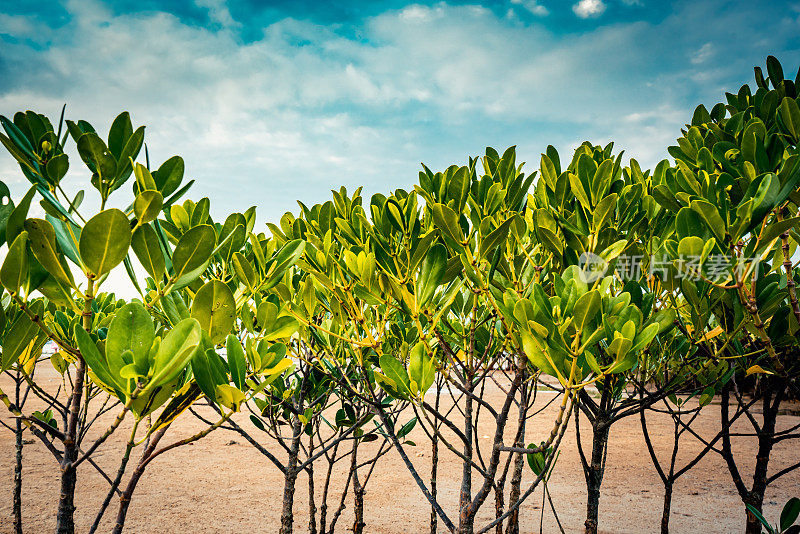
222 484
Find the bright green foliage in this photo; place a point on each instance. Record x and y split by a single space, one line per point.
362 305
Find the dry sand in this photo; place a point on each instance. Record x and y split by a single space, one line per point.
222 484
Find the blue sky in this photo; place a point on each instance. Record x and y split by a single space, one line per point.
270 102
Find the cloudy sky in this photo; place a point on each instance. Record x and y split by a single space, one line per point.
269 102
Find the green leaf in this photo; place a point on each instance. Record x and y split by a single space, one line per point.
309 294
550 240
790 115
691 247
95 361
121 129
131 330
22 158
200 211
536 354
16 221
774 70
19 336
586 307
446 221
604 211
706 396
431 274
59 364
421 368
283 260
613 250
775 229
602 180
14 272
577 189
496 238
235 225
6 209
644 337
236 361
147 206
395 371
193 250
57 167
98 158
215 309
67 236
169 175
126 157
175 352
536 460
789 513
229 397
204 374
406 428
665 319
709 213
42 238
284 326
244 271
277 368
145 245
104 241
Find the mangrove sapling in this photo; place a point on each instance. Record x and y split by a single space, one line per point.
773 392
37 261
614 404
701 378
108 348
362 466
683 419
25 368
738 185
527 400
151 450
20 372
290 408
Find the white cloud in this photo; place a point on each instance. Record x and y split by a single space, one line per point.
589 8
218 12
421 13
702 54
533 6
17 25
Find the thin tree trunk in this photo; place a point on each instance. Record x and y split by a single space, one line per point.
765 443
125 498
323 511
358 493
65 523
498 509
594 474
312 501
465 517
287 515
519 463
665 514
435 455
18 467
66 503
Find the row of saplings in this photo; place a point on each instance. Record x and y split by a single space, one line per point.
627 292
